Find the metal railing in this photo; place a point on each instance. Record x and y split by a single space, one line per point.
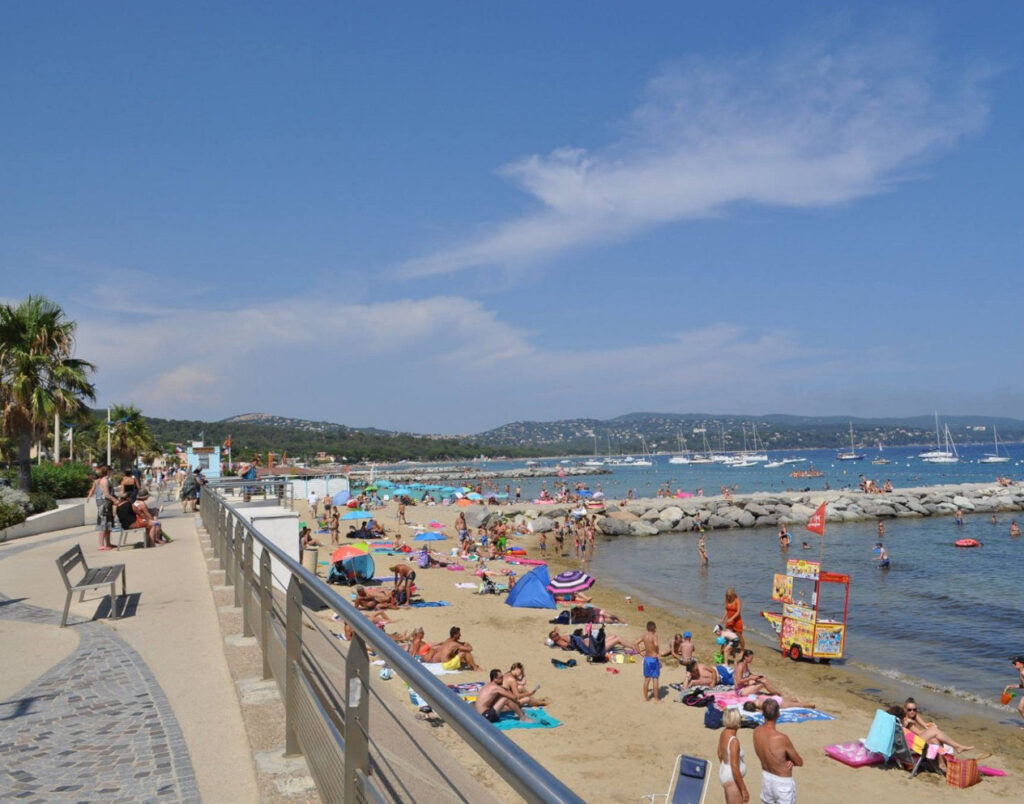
332 727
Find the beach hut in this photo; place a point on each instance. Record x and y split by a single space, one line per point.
531 591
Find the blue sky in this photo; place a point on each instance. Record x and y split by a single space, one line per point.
444 217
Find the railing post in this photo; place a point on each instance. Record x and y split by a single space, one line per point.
221 552
357 713
239 579
247 575
265 610
293 653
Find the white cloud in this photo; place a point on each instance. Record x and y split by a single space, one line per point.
814 127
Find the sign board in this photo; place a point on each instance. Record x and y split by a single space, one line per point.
795 611
782 588
800 568
828 641
205 458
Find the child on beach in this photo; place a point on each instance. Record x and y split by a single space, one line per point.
648 646
542 543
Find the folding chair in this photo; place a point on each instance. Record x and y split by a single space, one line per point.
689 782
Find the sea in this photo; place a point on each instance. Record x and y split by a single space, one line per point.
941 618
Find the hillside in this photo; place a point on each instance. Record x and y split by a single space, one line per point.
259 432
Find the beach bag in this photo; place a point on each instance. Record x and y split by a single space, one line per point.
712 717
962 772
561 619
698 698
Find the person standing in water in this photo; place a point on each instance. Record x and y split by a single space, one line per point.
882 557
702 550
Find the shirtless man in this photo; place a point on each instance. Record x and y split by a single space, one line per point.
702 675
748 683
559 640
493 697
373 601
778 758
453 651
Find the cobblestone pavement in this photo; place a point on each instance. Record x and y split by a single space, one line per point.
94 728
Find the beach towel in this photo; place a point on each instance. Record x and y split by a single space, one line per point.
429 604
465 586
539 719
795 714
437 669
882 734
467 691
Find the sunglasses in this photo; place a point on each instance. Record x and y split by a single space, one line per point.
908 710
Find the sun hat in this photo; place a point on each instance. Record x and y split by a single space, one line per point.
687 635
143 494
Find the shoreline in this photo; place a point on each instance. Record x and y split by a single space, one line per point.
600 708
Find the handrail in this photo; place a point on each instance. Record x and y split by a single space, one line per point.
517 767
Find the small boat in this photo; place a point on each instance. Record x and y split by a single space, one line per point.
967 543
852 455
937 453
881 462
995 457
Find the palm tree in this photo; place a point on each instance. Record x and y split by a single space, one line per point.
129 434
38 375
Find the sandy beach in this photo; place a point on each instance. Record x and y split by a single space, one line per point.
613 746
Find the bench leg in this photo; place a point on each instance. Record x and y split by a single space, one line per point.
67 606
113 600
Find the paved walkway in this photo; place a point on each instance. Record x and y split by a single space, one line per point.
119 716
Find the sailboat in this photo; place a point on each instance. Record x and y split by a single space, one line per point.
595 461
852 455
706 457
948 455
995 457
938 452
684 457
881 460
645 459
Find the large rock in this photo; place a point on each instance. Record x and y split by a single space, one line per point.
758 510
684 524
947 507
962 502
878 509
641 528
613 527
716 522
769 520
799 510
543 524
651 516
672 513
915 506
476 515
747 519
662 525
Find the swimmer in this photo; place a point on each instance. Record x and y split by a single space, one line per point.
805 546
1014 529
881 529
882 557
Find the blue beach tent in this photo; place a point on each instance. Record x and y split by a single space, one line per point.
531 591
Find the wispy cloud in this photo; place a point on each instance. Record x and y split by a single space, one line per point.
814 126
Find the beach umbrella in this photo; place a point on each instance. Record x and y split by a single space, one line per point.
371 487
347 551
435 524
474 496
570 582
464 503
385 484
430 536
357 514
417 486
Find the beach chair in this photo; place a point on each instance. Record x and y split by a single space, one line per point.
688 784
922 755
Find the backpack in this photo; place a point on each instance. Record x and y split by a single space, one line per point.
562 618
712 717
698 698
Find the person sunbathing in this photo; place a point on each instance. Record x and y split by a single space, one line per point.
559 640
757 704
592 614
928 732
702 675
493 698
748 683
372 602
515 682
453 653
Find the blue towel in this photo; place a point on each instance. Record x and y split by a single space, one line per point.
539 719
794 714
430 604
883 733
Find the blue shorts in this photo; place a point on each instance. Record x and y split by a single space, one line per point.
724 674
652 667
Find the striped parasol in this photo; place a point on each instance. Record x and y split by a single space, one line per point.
570 582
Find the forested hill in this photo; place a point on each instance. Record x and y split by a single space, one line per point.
301 438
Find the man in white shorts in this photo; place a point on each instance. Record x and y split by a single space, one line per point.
778 758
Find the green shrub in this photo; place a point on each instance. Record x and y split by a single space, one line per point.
63 481
14 507
40 501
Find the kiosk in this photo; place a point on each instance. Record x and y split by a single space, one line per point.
806 630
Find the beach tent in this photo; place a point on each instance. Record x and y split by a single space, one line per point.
531 591
357 569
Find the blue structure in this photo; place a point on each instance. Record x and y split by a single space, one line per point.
205 458
531 591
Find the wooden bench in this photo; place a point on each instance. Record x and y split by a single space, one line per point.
93 579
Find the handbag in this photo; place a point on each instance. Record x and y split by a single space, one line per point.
962 772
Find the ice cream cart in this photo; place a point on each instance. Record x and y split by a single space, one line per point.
809 626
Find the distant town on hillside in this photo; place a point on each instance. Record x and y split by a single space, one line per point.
627 434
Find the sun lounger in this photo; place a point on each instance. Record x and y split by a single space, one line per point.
688 784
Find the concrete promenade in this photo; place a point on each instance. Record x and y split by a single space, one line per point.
143 708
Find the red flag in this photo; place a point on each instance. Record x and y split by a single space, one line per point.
227 443
816 524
